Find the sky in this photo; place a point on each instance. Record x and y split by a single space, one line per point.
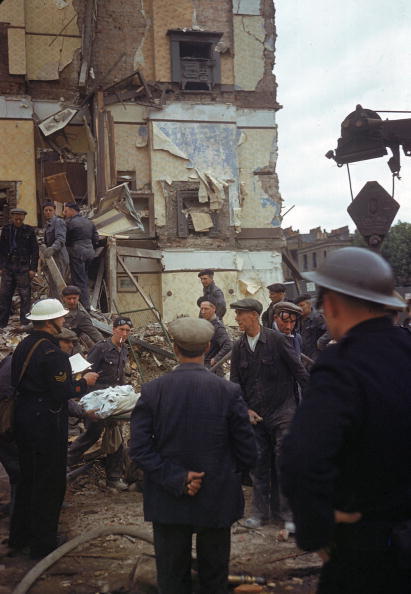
330 56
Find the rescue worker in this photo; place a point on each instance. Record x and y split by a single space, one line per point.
55 239
78 319
221 343
191 435
211 291
266 367
19 254
347 458
285 318
82 238
109 358
41 374
276 293
311 326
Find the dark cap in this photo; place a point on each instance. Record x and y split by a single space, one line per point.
49 203
276 288
73 205
121 321
287 306
206 271
202 299
67 334
303 297
18 211
71 290
247 304
191 334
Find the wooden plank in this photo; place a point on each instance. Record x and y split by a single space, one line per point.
97 286
58 188
112 271
146 299
259 233
101 150
138 252
111 149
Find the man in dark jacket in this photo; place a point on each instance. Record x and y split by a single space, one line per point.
109 358
78 319
311 326
82 238
55 239
41 425
266 366
19 254
347 459
221 343
191 435
276 293
211 291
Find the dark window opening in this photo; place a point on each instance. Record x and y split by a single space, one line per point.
314 259
8 200
325 254
188 200
195 63
305 262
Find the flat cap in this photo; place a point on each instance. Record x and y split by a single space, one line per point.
122 321
67 334
247 304
73 205
303 297
18 211
287 306
48 203
71 290
206 272
276 288
192 334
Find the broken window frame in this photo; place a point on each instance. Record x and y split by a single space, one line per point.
185 228
181 64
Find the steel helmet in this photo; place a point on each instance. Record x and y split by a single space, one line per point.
47 309
360 273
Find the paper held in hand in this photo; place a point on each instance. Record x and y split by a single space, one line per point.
78 363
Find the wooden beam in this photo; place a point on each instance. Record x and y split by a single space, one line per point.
138 252
97 286
146 299
112 271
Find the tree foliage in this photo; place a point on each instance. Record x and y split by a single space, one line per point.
396 249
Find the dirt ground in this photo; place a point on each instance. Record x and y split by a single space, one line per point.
106 564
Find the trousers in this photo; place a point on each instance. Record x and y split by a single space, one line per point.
79 277
172 545
10 281
41 489
94 429
265 475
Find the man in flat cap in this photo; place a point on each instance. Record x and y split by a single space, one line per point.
347 458
286 315
19 254
311 326
266 367
55 239
81 240
191 435
220 344
276 293
78 319
211 291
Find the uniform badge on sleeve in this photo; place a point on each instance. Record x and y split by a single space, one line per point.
61 376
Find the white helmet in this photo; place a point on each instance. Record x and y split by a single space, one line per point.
47 309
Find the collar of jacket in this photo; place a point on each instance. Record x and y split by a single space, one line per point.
371 325
190 367
261 338
37 334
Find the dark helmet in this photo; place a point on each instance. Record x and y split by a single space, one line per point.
360 273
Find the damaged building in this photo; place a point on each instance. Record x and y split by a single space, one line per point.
159 118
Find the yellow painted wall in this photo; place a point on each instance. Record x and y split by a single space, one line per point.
12 11
186 289
128 156
253 153
249 36
17 163
168 15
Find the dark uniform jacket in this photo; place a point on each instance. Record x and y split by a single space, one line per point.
221 343
217 296
311 328
44 390
80 322
19 250
267 318
267 375
55 237
189 419
82 237
349 447
110 362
